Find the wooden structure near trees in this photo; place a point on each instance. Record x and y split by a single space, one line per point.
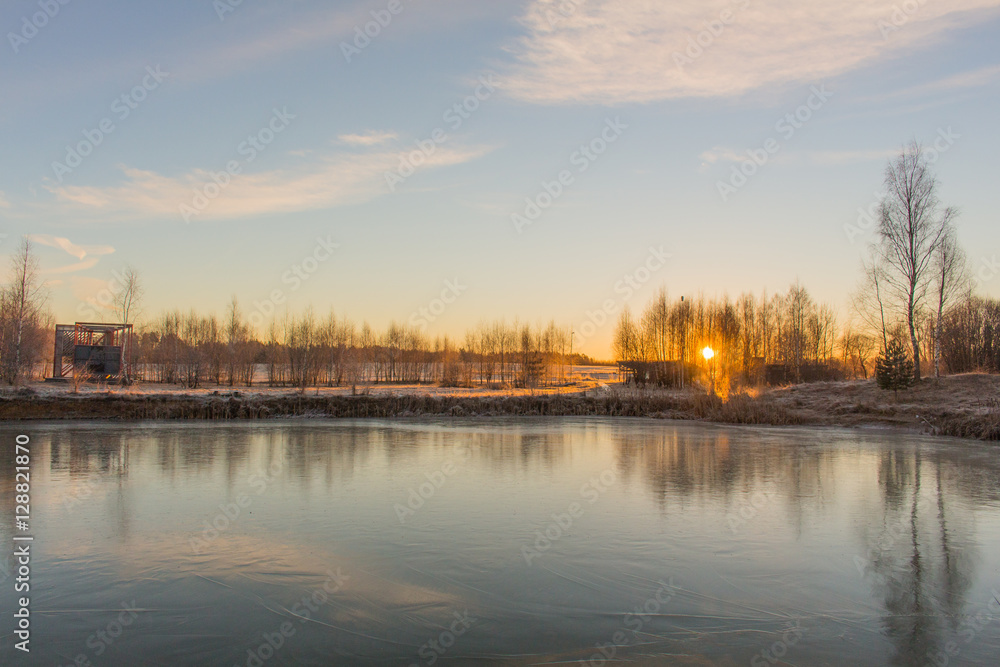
99 351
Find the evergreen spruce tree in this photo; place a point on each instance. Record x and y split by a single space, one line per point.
893 368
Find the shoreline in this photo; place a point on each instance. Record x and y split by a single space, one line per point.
842 404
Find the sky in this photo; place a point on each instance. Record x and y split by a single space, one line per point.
439 163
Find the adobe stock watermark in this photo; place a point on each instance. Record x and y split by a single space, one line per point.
968 630
37 21
749 509
582 159
93 308
363 35
867 220
590 491
427 315
633 623
455 116
303 610
295 276
223 7
776 652
562 11
986 271
901 15
755 503
217 182
229 512
699 43
786 127
433 649
626 288
416 498
101 641
891 534
121 108
79 495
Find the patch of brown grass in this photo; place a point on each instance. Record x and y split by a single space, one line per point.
966 406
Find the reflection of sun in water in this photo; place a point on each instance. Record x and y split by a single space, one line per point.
708 353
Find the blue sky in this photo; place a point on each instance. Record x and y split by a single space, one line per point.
670 120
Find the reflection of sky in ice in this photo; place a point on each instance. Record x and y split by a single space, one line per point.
821 543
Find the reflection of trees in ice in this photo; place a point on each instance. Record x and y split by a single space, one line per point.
921 559
918 551
740 467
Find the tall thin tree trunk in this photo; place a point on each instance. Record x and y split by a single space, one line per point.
937 333
913 337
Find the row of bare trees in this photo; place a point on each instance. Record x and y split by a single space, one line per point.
309 351
745 335
970 336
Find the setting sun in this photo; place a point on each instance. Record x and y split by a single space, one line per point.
708 353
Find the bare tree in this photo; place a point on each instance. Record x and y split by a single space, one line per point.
127 302
626 335
236 335
23 300
952 281
869 300
911 229
857 349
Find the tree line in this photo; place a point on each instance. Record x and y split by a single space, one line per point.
915 298
308 351
916 291
745 335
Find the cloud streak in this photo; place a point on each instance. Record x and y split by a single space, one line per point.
370 138
723 155
610 52
72 249
73 268
338 180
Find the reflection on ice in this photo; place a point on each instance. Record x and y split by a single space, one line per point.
652 541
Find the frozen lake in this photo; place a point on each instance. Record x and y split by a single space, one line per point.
503 541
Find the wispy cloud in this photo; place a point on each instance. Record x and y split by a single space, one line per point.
719 154
610 52
724 155
258 34
200 56
848 157
3 200
72 249
979 78
326 182
370 138
318 27
89 255
73 268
